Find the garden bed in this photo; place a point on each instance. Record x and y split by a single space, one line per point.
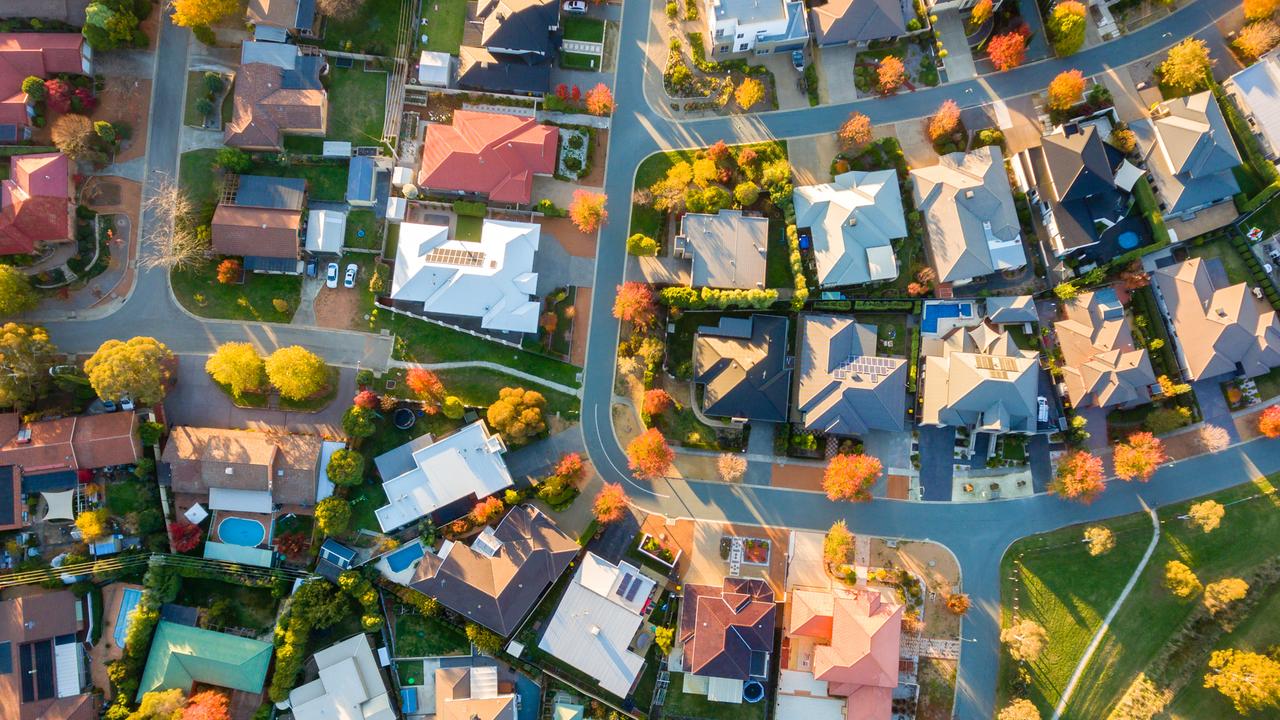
654 549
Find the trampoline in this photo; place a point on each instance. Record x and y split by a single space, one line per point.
1128 240
753 691
405 418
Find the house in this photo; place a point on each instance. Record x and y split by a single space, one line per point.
276 20
519 40
851 223
36 203
1011 309
844 386
484 71
490 283
326 232
242 470
426 475
183 656
490 155
362 176
976 377
737 28
741 364
277 92
1101 366
858 22
43 673
969 215
843 648
727 249
43 55
497 579
333 559
1189 152
350 685
263 223
473 693
727 634
595 625
1220 329
1256 90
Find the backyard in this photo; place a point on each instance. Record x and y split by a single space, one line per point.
326 181
468 228
1237 272
254 608
680 703
372 30
363 231
446 21
199 291
420 636
357 102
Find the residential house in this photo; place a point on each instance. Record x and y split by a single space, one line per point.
277 92
489 155
727 249
851 223
976 377
1011 309
326 232
36 203
519 40
183 656
1256 90
844 386
484 71
1220 329
1189 152
362 177
741 364
1101 366
497 579
969 215
276 20
474 693
726 633
426 476
43 673
595 625
741 27
858 22
350 686
43 55
262 223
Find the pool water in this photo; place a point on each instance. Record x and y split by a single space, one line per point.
128 603
401 559
933 312
241 531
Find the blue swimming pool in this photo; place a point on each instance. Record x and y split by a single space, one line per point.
933 312
128 603
241 531
401 559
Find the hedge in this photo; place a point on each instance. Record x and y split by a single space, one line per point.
470 208
899 305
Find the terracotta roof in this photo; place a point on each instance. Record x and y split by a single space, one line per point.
82 441
488 153
37 618
35 202
725 630
460 695
25 54
266 107
858 634
204 458
260 232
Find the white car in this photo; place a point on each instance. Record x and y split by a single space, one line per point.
350 280
577 7
331 275
1042 409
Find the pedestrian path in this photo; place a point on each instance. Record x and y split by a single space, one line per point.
583 47
913 646
490 366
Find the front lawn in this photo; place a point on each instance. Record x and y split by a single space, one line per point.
580 61
199 291
357 103
363 231
200 180
777 260
371 31
583 28
447 19
326 181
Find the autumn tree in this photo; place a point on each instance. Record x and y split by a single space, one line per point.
856 130
731 467
160 705
837 546
656 402
1213 438
1218 595
850 477
487 510
1206 515
73 136
891 74
229 271
366 399
1260 9
238 366
599 100
635 303
586 210
184 536
957 603
1065 89
944 121
749 92
346 467
333 515
1188 65
16 294
981 12
1125 141
610 504
207 705
648 455
193 13
1180 580
1251 681
1269 422
1020 709
1066 27
570 466
94 524
1007 51
138 368
26 354
1025 640
297 373
1100 539
1139 456
1255 39
1079 477
358 423
517 414
426 387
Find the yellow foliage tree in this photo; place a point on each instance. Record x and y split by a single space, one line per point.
93 524
750 92
1188 65
238 366
192 13
1065 89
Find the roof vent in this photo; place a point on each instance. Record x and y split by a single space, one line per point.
229 471
595 630
1221 313
24 436
853 220
968 194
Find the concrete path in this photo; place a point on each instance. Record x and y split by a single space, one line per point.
306 312
200 139
489 366
959 60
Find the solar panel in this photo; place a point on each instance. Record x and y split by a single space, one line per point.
6 658
26 664
635 587
622 586
456 257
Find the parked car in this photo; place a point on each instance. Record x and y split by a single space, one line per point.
350 280
126 403
577 7
331 275
797 60
311 268
109 406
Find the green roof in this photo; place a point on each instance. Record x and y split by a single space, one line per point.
182 655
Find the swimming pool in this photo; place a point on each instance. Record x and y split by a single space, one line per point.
933 312
241 531
401 559
128 603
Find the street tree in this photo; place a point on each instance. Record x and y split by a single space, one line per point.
345 468
16 294
1007 51
944 120
26 354
1025 640
957 603
238 366
1213 438
599 100
891 74
1260 9
297 373
1188 65
1065 89
850 477
333 515
648 455
1180 580
1218 595
1079 477
1255 39
587 211
1139 456
837 546
635 303
731 466
610 504
1066 27
517 415
139 368
1269 422
1206 515
196 13
750 92
1100 539
173 241
656 402
1020 709
856 130
1251 681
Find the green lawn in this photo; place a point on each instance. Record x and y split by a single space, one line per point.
478 387
357 103
889 327
777 267
200 180
325 180
1267 217
583 28
249 301
447 20
419 636
367 221
1237 272
371 31
579 61
468 228
129 496
678 702
195 91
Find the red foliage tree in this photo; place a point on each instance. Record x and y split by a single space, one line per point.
228 271
850 477
575 93
600 100
1079 477
1139 457
635 304
366 399
570 466
184 535
610 504
1269 422
426 386
648 455
487 510
86 100
207 705
57 95
719 151
291 544
656 401
1007 51
562 91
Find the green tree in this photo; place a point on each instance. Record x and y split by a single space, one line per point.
1249 680
517 414
26 353
346 467
139 368
33 87
233 160
1066 26
641 244
746 193
453 408
16 294
358 423
297 372
333 515
238 366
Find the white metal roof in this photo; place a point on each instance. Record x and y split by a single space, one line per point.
350 686
254 501
196 514
326 230
725 690
433 68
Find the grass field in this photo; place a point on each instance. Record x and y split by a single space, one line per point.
479 387
249 301
468 228
367 221
195 91
357 103
372 30
198 178
325 181
448 18
777 268
579 61
583 29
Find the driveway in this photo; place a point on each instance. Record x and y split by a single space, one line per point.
937 447
1213 405
811 158
835 73
1041 467
760 443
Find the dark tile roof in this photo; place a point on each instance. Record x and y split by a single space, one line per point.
519 25
271 192
479 69
727 630
742 365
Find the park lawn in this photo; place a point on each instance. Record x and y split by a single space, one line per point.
367 221
357 104
200 180
777 259
326 181
1068 593
251 300
371 31
583 28
1151 615
579 61
1237 272
468 228
478 387
448 18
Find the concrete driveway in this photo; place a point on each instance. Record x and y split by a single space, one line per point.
811 158
835 73
937 445
1213 405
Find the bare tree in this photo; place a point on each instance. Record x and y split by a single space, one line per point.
340 9
172 239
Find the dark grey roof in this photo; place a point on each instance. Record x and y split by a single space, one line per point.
1078 162
399 460
8 491
271 192
478 69
522 26
180 614
305 75
1082 168
844 387
360 179
843 21
306 16
744 376
49 482
1189 152
258 263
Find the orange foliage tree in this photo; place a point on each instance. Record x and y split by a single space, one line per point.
850 477
207 705
586 210
656 401
945 121
891 74
610 504
635 304
855 131
648 455
1007 51
1065 89
1260 9
426 386
487 510
1269 422
1139 457
600 100
228 271
1079 477
570 466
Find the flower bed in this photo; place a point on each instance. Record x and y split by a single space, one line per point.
652 548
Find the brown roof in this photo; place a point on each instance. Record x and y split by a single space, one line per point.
37 619
281 13
284 465
1101 365
264 109
498 590
261 232
73 443
727 631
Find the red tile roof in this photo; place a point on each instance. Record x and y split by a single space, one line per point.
35 202
721 627
25 54
264 110
72 443
488 153
35 618
260 232
858 634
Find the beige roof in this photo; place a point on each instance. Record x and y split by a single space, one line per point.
471 693
205 458
1220 328
1101 366
728 248
977 377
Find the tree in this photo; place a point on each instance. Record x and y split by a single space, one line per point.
73 136
1180 580
193 13
346 467
453 407
1253 9
33 88
1188 65
1065 89
634 303
1025 640
1139 457
1255 39
981 12
333 515
340 9
1066 27
587 211
1213 438
1100 539
641 244
26 354
1020 709
731 467
485 640
749 92
1206 515
184 536
367 399
207 705
16 294
232 160
837 546
656 402
228 271
173 240
160 705
1251 681
664 638
850 477
297 372
891 74
57 95
1218 595
105 131
599 100
487 510
957 603
1007 51
1126 142
94 524
517 414
648 455
1079 477
856 130
138 368
425 386
944 121
358 423
1169 388
238 366
746 193
1066 292
610 504
1269 422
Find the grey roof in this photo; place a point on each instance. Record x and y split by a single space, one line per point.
281 55
751 11
844 21
1077 174
1011 309
1101 366
968 210
522 26
479 69
797 28
271 192
852 222
1189 152
9 492
742 364
844 386
360 177
728 248
399 460
1078 162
